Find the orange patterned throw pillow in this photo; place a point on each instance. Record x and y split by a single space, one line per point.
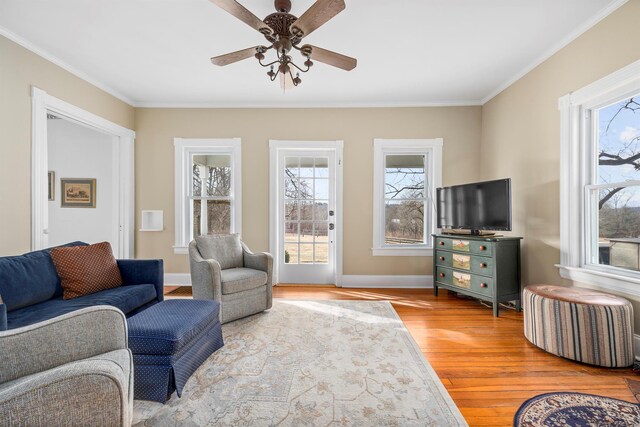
84 270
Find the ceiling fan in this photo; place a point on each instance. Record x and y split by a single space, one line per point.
285 32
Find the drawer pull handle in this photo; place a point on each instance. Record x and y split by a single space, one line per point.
441 243
483 285
441 275
483 248
483 265
441 258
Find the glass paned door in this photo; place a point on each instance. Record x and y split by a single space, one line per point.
307 217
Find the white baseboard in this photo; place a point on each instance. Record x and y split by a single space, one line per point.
363 281
177 279
348 281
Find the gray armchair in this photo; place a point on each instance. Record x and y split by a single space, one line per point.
223 269
72 370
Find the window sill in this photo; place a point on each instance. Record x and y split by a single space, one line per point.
181 250
602 279
402 251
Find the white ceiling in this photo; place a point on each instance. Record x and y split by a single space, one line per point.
410 52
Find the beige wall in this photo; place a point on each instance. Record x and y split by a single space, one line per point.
514 135
19 70
521 128
156 128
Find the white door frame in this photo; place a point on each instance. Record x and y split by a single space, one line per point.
123 168
275 147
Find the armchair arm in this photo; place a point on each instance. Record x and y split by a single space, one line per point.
74 336
258 261
205 275
143 271
66 395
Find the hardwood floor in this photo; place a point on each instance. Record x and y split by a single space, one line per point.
486 363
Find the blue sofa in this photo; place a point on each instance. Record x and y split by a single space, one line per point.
30 289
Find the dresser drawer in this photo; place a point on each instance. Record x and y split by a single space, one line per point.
443 258
460 279
481 248
482 265
444 275
443 243
482 285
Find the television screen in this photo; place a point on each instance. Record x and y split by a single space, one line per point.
476 206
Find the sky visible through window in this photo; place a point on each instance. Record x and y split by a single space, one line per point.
619 135
618 162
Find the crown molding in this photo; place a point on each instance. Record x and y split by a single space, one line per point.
556 48
445 103
60 63
469 103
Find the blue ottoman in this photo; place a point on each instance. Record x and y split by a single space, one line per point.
169 341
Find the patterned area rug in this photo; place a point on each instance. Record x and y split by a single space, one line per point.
312 363
576 409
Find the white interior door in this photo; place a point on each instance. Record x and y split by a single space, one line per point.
306 216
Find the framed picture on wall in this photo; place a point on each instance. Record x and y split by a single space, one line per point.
78 192
52 186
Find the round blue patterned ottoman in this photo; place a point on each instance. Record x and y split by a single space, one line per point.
579 324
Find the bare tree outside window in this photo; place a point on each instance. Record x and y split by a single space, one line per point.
618 163
404 188
306 210
212 187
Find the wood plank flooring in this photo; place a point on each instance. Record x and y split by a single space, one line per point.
486 363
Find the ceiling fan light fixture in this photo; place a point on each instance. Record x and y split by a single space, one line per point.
284 68
285 32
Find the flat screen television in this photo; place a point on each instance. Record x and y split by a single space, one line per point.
475 207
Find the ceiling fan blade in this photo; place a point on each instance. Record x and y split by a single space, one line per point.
328 57
318 14
236 56
240 12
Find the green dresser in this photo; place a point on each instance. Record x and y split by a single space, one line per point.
484 267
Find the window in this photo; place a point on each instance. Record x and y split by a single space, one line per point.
208 182
600 184
406 174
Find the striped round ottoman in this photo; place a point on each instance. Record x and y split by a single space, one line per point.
579 324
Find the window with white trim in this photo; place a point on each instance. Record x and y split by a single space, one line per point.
406 174
208 186
600 184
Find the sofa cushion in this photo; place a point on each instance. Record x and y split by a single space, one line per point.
170 325
27 279
241 279
30 278
224 248
126 298
84 270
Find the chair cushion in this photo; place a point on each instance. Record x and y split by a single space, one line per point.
84 270
224 248
168 326
241 279
126 298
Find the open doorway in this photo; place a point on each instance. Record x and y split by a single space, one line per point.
99 207
83 186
